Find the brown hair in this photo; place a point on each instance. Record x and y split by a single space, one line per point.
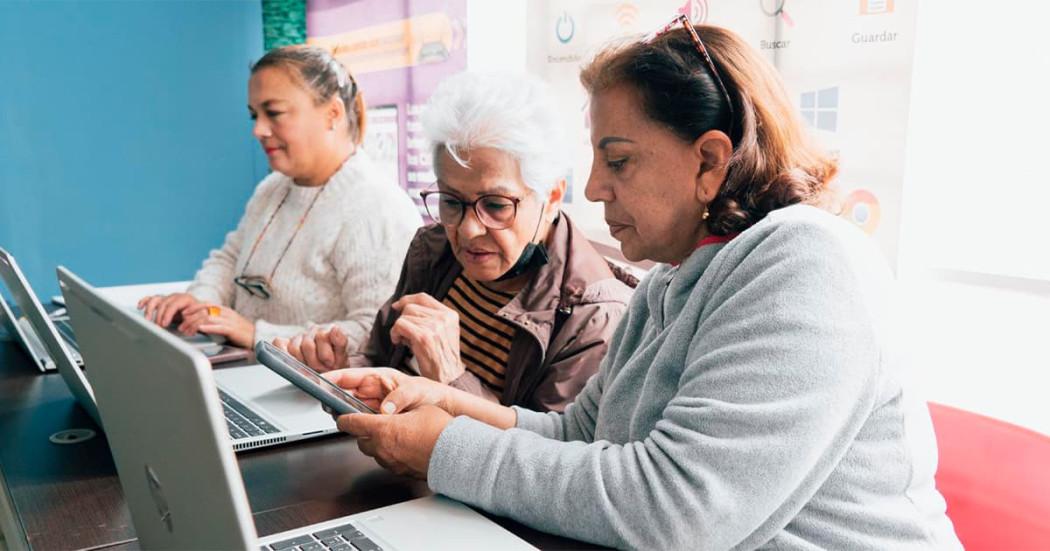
774 162
324 76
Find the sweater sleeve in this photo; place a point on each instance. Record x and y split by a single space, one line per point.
778 379
214 281
367 260
377 349
575 424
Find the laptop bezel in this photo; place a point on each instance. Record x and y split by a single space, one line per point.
164 423
15 332
15 282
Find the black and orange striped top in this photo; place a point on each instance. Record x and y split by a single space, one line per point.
484 337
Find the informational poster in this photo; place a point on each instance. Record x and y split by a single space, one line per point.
398 52
846 63
381 140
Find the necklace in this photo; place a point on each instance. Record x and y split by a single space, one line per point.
262 286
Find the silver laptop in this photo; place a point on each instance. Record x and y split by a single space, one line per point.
17 329
260 407
26 328
33 327
166 431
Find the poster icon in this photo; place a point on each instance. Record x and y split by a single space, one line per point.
565 28
626 15
695 10
820 108
876 7
862 208
775 8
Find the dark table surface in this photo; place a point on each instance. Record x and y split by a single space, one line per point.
70 493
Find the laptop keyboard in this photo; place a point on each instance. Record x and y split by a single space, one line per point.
242 422
341 538
66 329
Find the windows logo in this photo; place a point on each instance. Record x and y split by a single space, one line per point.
820 108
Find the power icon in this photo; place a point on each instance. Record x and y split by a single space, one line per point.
565 28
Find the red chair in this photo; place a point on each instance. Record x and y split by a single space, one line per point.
996 479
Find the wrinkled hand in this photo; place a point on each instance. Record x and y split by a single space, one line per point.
237 329
431 330
401 443
390 391
320 348
164 309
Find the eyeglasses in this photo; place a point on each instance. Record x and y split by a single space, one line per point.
684 20
495 212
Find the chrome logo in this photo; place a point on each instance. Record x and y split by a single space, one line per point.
862 208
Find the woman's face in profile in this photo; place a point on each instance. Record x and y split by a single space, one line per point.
487 253
289 124
645 176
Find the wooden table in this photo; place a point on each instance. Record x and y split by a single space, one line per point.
57 496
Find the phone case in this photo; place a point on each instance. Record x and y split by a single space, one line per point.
229 354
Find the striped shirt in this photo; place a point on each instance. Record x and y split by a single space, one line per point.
484 337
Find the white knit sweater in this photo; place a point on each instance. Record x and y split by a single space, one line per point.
341 266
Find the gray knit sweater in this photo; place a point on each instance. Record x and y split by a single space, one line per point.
753 397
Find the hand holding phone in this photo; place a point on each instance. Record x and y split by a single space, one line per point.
310 381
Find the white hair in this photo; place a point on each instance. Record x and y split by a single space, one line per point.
514 114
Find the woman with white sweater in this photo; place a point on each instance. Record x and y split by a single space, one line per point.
322 238
754 394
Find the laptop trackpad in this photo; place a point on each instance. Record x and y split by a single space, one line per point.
272 396
430 519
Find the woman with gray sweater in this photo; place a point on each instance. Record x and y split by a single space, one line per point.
754 394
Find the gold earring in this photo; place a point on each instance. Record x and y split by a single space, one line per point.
706 213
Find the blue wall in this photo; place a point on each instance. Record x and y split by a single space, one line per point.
125 146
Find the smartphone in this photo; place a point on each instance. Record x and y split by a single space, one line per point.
304 377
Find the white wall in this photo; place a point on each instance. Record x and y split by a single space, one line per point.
975 254
496 35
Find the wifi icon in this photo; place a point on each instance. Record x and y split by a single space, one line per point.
696 10
626 15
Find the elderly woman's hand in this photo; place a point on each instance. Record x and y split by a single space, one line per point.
402 442
391 391
431 330
323 349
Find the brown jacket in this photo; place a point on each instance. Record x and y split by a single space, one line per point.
565 316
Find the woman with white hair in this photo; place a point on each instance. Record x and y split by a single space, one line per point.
503 296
